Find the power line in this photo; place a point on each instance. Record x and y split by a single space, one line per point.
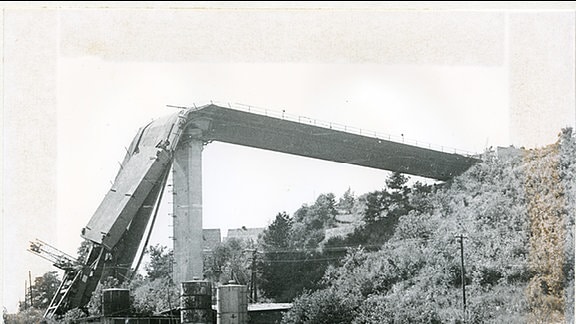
399 241
302 260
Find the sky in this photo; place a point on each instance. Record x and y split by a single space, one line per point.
80 83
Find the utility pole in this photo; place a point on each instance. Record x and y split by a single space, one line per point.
30 286
25 295
253 286
463 276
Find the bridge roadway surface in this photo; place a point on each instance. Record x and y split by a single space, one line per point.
303 139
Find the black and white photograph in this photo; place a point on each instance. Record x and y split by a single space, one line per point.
288 162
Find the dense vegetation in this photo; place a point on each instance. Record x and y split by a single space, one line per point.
516 215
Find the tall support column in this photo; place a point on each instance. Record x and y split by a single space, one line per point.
187 209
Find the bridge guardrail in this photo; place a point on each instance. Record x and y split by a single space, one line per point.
336 126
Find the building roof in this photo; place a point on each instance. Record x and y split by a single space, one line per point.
269 307
245 234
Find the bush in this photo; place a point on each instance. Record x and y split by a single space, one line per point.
73 314
409 309
320 307
30 315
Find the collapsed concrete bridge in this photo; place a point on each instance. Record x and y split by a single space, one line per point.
118 226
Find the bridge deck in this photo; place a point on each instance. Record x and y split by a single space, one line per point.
286 136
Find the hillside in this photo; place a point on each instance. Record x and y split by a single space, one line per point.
516 216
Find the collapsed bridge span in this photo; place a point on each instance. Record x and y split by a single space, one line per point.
118 227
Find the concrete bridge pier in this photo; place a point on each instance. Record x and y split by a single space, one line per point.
187 207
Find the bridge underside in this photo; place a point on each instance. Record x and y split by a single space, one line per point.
280 135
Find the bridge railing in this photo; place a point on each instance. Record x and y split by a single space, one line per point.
340 127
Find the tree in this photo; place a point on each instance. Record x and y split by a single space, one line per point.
346 202
150 297
277 271
397 181
277 234
156 291
290 261
390 203
383 209
161 260
310 222
230 260
43 290
324 209
320 215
